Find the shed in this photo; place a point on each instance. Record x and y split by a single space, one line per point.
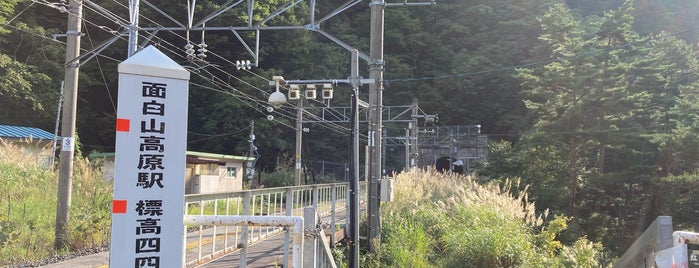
204 172
34 142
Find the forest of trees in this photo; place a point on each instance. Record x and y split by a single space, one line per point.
592 103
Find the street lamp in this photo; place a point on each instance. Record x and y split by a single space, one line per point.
327 93
277 99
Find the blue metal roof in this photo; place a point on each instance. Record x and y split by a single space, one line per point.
18 132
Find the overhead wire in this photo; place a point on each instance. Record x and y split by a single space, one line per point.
224 85
228 63
99 65
174 50
20 13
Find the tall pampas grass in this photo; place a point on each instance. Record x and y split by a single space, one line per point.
28 193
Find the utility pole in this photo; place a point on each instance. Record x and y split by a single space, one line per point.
354 182
413 137
407 148
65 177
252 153
376 67
299 138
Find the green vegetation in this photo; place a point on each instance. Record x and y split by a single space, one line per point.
592 103
28 205
440 220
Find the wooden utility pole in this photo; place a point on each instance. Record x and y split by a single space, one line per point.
70 96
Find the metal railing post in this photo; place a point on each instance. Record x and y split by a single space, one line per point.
310 243
333 197
228 212
244 233
201 231
294 223
315 197
288 210
326 197
213 242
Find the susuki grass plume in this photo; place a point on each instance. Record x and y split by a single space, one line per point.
28 190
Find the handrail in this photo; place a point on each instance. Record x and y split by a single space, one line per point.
222 195
656 237
283 221
327 199
316 249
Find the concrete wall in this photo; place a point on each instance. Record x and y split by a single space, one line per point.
212 178
199 178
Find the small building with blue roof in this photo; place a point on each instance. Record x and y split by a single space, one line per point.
31 141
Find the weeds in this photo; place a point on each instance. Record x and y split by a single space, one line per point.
28 204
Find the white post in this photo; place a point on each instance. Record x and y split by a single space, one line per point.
149 166
288 211
244 236
310 244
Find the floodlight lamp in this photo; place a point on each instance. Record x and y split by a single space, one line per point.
327 92
294 92
310 92
277 99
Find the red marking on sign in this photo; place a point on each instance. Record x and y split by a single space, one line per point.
122 124
118 206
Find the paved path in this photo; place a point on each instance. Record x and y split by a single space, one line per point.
88 261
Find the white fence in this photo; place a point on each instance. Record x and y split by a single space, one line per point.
326 199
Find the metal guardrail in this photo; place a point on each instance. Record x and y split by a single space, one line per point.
656 237
216 241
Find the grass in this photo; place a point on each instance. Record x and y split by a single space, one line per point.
435 220
28 193
443 220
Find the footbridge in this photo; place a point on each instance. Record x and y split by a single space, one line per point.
288 226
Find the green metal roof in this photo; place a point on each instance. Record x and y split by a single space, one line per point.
190 153
220 156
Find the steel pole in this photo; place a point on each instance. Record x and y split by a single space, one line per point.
354 182
376 67
413 137
133 27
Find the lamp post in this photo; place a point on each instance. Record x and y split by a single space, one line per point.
277 99
299 139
